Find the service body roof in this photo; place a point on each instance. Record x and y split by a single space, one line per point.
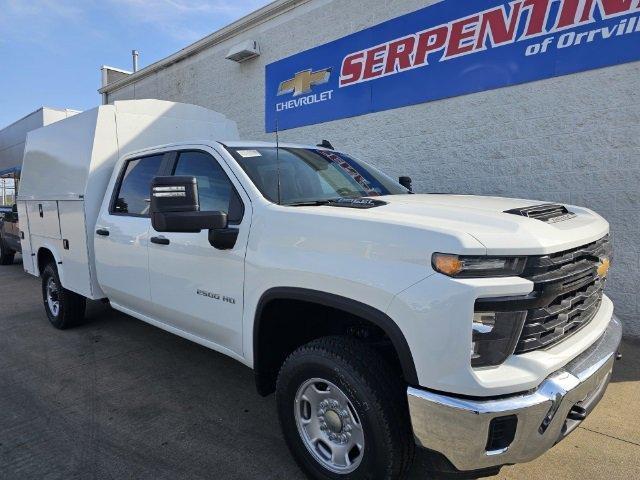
74 158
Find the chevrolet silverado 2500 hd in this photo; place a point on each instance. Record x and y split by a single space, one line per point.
474 327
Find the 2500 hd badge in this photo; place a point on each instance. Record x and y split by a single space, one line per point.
216 296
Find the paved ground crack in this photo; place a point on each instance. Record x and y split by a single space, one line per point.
610 436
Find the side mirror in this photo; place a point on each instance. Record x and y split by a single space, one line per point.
406 183
175 207
14 208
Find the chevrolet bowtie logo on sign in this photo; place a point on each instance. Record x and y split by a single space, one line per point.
603 268
304 81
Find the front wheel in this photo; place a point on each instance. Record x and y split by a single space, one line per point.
344 412
64 308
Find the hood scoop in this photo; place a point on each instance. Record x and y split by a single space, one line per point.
548 213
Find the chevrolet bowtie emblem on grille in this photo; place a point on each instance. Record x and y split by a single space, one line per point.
304 81
604 266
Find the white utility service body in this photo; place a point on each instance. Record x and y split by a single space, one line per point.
378 260
68 165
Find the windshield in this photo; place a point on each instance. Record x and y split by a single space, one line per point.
309 175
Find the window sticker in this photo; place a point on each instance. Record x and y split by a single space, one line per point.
249 153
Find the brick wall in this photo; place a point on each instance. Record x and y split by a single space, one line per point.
573 139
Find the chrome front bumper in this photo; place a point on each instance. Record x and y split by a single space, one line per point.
459 428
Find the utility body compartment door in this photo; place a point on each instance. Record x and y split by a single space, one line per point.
42 231
44 220
75 257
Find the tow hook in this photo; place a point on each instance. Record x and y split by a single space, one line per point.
618 356
577 413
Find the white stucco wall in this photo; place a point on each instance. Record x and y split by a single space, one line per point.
572 139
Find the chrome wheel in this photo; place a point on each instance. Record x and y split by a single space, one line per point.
53 297
329 426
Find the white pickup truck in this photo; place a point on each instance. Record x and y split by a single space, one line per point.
474 327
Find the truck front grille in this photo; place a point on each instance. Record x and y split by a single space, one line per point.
567 294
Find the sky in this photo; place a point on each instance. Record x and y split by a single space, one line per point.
51 51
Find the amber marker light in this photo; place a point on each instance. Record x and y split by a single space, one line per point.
447 264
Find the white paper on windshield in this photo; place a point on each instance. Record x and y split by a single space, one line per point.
249 153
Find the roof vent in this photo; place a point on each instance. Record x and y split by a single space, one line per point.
244 51
549 213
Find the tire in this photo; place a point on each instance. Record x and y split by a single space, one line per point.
376 414
70 307
6 256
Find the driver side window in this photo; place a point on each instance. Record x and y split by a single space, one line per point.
215 191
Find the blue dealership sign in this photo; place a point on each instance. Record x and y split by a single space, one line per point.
448 49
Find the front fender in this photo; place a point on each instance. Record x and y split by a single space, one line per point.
339 252
366 312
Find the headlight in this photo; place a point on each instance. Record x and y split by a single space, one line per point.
462 266
495 336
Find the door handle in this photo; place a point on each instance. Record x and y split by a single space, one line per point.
102 232
160 240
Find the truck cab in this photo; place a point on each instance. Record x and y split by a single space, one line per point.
476 328
170 277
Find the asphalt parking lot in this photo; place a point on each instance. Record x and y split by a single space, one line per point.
118 399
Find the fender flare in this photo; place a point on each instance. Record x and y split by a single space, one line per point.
56 257
373 315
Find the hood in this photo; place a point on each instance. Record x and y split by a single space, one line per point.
485 219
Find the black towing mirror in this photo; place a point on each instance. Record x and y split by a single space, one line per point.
175 207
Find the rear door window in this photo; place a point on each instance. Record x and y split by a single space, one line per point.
133 197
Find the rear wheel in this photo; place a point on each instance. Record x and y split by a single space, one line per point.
64 308
344 412
6 256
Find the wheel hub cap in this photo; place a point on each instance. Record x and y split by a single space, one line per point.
333 421
53 299
329 426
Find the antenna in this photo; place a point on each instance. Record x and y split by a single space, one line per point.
278 160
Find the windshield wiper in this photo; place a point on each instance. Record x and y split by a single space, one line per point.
309 203
354 202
